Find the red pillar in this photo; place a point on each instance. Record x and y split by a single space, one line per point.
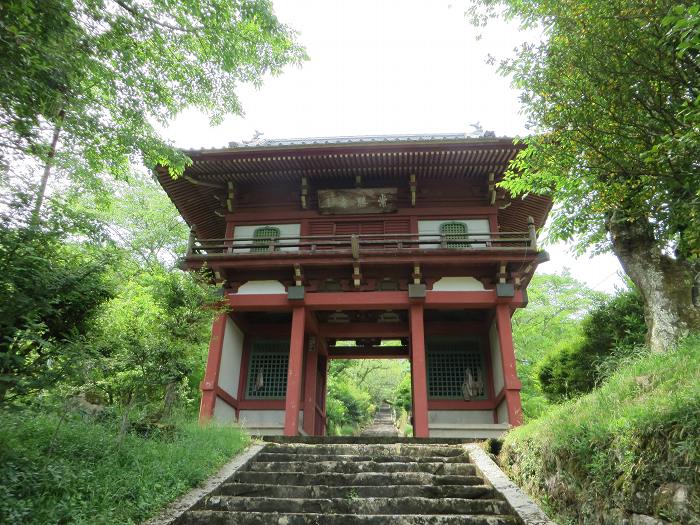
296 361
418 372
211 375
310 382
510 375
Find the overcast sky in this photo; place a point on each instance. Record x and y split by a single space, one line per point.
386 67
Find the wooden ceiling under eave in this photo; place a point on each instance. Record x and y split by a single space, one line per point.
200 201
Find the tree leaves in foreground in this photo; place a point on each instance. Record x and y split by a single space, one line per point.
613 92
84 82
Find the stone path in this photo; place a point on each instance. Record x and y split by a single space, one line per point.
383 424
360 483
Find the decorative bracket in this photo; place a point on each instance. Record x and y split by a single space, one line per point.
304 193
492 188
358 181
413 186
502 273
229 197
417 276
298 275
356 275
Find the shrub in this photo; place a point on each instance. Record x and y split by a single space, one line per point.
612 329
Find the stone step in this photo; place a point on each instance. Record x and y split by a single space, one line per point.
365 478
374 506
355 467
208 517
398 449
313 458
357 491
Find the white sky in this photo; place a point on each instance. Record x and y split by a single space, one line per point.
382 67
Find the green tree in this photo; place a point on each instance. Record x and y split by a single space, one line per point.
84 83
557 305
614 327
613 93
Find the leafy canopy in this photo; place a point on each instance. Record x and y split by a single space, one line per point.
106 72
613 94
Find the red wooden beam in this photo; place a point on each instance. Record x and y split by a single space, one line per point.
211 375
294 373
368 353
418 372
258 302
510 375
361 330
310 382
357 300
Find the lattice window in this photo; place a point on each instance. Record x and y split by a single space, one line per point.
265 237
454 234
455 370
267 370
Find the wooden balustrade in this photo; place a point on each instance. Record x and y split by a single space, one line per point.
356 243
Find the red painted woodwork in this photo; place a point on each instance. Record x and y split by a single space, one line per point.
418 372
228 398
310 385
510 376
211 375
456 404
261 404
294 373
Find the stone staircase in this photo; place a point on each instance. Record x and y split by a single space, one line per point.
383 424
354 483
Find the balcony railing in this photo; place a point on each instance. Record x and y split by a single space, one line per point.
364 243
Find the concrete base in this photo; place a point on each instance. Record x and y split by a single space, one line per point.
476 431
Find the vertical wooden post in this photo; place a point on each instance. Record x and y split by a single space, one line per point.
532 233
211 375
510 375
310 383
418 372
190 241
296 361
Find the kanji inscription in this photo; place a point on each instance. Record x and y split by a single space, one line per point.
357 200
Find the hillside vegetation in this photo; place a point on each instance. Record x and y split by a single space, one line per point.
631 446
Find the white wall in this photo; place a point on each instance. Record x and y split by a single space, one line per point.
246 232
496 360
261 287
262 422
231 355
455 417
223 412
458 284
502 412
474 227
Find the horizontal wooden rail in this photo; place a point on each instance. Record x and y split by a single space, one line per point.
356 243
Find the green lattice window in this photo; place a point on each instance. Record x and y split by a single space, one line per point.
264 238
454 234
455 370
267 370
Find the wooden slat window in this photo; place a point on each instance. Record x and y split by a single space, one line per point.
265 237
454 234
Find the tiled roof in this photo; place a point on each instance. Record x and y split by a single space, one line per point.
259 142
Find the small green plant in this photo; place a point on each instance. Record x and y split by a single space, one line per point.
352 495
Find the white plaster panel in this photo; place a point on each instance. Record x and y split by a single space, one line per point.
261 287
436 418
471 432
458 284
502 412
286 230
223 412
474 228
262 418
231 355
496 359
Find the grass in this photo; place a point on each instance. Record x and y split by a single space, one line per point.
610 453
78 472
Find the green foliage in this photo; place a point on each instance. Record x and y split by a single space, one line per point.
76 471
348 407
611 451
403 397
610 330
557 303
50 290
613 90
106 73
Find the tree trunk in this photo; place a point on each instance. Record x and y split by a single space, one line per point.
36 213
666 284
170 398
